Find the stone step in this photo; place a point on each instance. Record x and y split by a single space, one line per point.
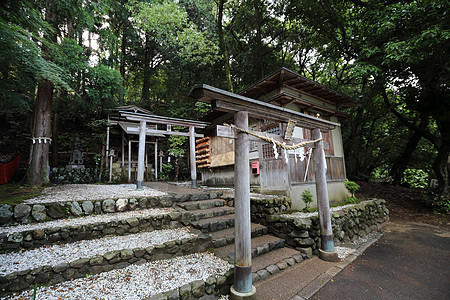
214 224
226 236
202 204
13 238
273 262
211 212
260 245
52 264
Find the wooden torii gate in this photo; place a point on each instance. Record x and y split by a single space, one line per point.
242 107
143 119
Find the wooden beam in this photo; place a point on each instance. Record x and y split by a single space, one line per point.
140 173
153 119
268 113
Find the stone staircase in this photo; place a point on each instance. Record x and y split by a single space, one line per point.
199 222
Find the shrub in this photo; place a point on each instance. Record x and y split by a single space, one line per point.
307 197
352 187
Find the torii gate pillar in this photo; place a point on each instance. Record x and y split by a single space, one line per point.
326 251
242 287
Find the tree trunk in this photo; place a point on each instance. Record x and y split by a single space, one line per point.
223 46
259 42
441 163
38 170
147 71
399 166
122 63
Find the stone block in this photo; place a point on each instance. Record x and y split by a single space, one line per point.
173 295
198 288
126 254
6 214
185 292
122 204
75 209
306 251
132 204
97 207
263 274
87 207
21 212
39 213
79 263
272 269
109 206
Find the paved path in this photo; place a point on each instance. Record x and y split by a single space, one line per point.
411 261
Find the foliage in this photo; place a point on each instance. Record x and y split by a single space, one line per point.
351 200
61 176
440 204
166 173
307 198
416 178
352 187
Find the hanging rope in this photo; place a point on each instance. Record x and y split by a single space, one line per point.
271 140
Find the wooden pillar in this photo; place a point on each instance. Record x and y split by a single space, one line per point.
242 287
107 143
141 158
156 159
129 159
192 158
326 231
123 150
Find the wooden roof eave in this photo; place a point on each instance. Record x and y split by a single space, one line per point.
226 101
154 119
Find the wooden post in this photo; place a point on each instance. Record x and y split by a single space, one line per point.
141 162
192 159
242 288
107 143
156 159
123 150
326 231
129 160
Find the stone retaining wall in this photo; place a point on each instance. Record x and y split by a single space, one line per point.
23 213
50 236
49 275
211 288
261 207
349 223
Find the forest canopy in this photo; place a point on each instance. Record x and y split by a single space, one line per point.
63 63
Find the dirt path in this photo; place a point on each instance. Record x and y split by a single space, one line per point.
405 204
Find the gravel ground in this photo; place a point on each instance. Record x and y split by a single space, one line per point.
87 220
80 192
134 282
302 215
343 252
59 254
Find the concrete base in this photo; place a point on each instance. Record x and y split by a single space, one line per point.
234 295
328 256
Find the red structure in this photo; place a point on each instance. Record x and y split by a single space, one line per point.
8 169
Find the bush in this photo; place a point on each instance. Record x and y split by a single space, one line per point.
307 197
351 200
440 204
352 187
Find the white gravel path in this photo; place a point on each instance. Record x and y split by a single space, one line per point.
66 253
81 192
87 220
134 282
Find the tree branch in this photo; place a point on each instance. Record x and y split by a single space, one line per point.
426 133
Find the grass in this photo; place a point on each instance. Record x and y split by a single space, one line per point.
17 193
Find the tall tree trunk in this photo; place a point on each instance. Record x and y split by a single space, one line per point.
441 163
123 48
259 42
147 70
223 47
400 164
38 170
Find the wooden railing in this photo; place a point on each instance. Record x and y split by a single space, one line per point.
335 169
